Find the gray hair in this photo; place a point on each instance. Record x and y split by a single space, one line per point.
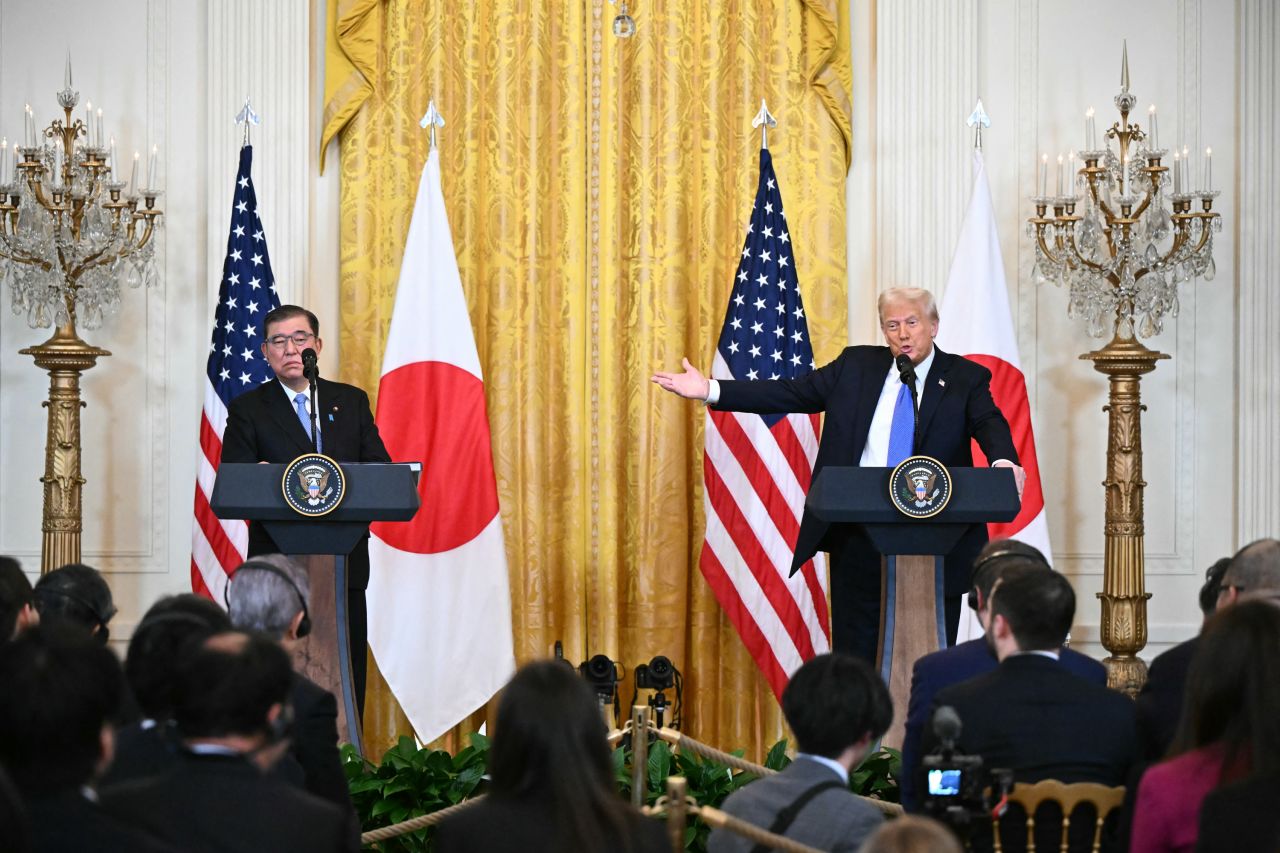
916 295
1255 567
261 600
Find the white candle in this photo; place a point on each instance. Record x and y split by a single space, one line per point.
151 167
88 121
13 170
29 119
1155 128
4 161
1208 170
1186 169
1060 169
111 161
57 166
133 176
1071 173
67 80
1090 133
1044 175
99 130
1177 173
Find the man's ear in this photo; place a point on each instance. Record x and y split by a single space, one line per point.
28 617
292 632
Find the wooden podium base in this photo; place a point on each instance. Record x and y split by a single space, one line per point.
324 655
912 624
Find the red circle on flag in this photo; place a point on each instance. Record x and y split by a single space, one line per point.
434 413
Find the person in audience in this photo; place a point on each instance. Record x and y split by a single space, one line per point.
168 632
61 689
1031 715
1230 726
76 594
959 663
231 708
271 594
15 826
552 785
1241 816
1255 567
837 708
17 602
911 834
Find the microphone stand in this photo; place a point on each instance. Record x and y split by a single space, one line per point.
313 374
907 373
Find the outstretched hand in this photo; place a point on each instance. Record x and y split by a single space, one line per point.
690 384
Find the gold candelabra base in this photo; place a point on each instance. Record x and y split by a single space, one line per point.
1124 596
65 356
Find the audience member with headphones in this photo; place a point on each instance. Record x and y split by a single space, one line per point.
76 594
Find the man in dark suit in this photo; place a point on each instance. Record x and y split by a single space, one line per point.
999 558
837 707
231 709
272 424
271 594
62 688
17 603
869 422
1031 715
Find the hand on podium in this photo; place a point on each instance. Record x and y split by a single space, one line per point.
1019 475
690 384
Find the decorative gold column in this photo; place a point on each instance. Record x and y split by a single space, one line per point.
1124 596
65 356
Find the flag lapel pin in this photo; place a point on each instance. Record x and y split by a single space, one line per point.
335 409
942 383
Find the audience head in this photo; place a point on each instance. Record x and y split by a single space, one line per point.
837 706
1031 609
550 740
1233 687
61 691
1255 568
990 564
17 602
76 594
161 642
1212 586
911 834
233 687
270 594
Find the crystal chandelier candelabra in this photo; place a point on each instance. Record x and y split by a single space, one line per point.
71 232
1121 237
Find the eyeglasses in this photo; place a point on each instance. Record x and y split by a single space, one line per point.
300 339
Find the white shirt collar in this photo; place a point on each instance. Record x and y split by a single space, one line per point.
292 394
836 766
1044 653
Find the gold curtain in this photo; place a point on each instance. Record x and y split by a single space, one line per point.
598 190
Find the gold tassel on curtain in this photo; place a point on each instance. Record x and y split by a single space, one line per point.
598 190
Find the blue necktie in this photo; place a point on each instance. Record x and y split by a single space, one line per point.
300 403
902 432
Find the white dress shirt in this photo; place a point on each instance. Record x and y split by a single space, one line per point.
876 452
292 395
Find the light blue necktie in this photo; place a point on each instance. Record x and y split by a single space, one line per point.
300 403
902 432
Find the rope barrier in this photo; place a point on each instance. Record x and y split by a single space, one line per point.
413 824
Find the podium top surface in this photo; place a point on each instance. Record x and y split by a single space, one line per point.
861 495
375 491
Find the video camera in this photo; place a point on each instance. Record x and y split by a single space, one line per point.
958 790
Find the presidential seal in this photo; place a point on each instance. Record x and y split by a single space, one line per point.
920 487
313 484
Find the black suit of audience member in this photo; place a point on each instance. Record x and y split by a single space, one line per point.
230 705
1031 715
552 783
1241 816
61 688
314 742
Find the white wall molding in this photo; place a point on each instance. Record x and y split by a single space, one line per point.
1258 297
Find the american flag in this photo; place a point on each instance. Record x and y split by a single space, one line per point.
757 468
236 365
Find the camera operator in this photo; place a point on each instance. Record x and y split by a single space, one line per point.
1031 715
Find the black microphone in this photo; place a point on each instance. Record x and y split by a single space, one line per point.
906 370
309 363
947 726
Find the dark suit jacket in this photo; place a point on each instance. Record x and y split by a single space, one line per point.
834 820
70 823
142 751
1159 703
263 426
504 825
1033 716
223 804
943 668
955 408
314 742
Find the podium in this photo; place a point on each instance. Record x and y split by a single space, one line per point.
912 617
374 492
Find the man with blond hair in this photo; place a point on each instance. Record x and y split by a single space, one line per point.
869 421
